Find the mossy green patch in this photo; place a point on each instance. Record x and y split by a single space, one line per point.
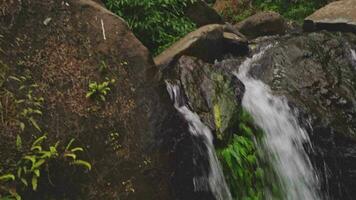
225 107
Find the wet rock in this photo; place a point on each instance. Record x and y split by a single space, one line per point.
212 93
317 74
199 44
336 16
262 24
202 14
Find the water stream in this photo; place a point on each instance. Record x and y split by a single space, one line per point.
353 54
284 137
213 180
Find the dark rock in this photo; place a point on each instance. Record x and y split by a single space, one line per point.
199 44
202 14
262 24
124 136
336 16
317 73
213 94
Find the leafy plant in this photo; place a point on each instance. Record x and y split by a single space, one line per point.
247 174
99 90
157 23
35 161
30 103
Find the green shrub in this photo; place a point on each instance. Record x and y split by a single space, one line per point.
157 23
33 163
291 9
247 173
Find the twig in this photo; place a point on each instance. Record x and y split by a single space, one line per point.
102 27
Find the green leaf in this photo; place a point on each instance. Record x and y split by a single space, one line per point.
24 181
82 163
30 158
69 144
34 183
7 177
34 123
39 140
18 143
71 155
77 149
38 164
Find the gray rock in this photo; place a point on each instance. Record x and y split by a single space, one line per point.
202 14
336 16
207 43
261 24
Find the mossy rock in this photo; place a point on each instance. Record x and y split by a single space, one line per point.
213 94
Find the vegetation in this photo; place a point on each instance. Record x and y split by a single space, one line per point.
156 23
32 163
247 174
98 91
291 9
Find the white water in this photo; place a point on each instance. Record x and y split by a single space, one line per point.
214 181
353 54
284 138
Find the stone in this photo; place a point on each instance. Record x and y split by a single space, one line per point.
212 93
262 24
199 44
336 16
128 138
316 72
202 14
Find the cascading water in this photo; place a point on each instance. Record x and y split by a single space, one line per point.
353 54
284 138
214 180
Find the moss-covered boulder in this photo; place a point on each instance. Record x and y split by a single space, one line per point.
73 70
212 93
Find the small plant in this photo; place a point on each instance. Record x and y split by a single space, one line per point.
99 91
34 162
30 103
247 174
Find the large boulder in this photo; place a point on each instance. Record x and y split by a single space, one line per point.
202 14
223 38
262 24
213 93
336 16
50 51
317 74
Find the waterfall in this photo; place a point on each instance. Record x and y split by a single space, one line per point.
353 54
214 180
284 138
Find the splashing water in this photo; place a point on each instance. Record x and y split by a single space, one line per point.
284 138
214 180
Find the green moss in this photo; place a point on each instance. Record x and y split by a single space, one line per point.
218 119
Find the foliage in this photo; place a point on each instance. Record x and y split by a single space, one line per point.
156 23
246 172
99 91
291 9
30 103
33 163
